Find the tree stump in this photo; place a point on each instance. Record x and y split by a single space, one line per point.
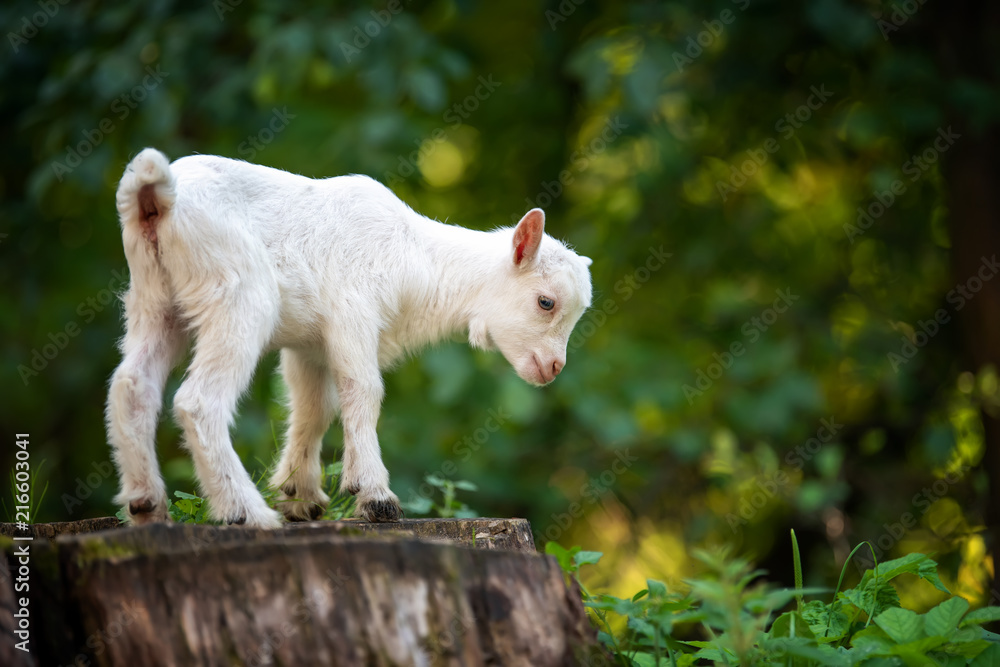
50 530
421 592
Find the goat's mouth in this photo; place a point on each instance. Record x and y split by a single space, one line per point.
542 379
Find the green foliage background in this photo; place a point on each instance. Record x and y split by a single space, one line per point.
677 117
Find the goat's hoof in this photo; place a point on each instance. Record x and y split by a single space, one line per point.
310 505
381 511
310 512
238 521
145 511
145 506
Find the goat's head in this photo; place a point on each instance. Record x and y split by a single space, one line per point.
530 310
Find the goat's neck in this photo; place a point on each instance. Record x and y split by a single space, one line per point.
464 265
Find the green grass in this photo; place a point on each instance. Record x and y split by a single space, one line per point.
449 506
730 616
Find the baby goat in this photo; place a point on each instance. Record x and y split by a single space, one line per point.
342 276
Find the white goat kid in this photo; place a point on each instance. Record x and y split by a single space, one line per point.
345 279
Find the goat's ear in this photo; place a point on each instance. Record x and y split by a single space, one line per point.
586 260
528 236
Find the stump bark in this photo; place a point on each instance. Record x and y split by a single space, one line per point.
50 530
421 592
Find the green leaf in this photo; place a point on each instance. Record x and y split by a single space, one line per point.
903 625
797 563
647 660
968 648
910 563
928 572
843 573
418 505
791 624
605 638
817 615
620 606
564 556
186 496
954 661
466 485
871 640
587 557
872 598
710 651
803 648
642 626
435 480
656 588
988 658
919 564
943 619
920 647
980 616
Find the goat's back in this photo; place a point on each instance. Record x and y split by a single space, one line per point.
277 205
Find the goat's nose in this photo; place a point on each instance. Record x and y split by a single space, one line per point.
556 367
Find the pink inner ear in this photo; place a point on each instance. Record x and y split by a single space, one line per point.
528 235
519 251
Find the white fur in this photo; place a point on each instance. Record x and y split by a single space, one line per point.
345 279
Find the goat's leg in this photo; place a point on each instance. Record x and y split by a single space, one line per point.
359 386
314 403
152 344
229 344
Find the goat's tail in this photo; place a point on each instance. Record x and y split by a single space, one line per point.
146 192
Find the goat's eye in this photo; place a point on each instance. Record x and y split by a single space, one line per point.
546 303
